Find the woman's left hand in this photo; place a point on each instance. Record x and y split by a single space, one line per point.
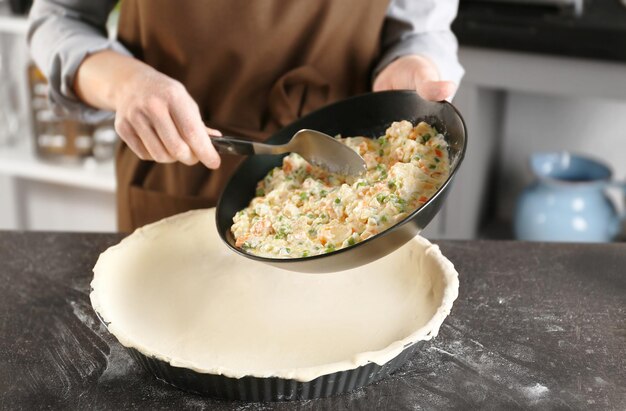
414 73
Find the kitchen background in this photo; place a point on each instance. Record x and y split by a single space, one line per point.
541 75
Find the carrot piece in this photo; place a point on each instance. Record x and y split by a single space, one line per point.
241 240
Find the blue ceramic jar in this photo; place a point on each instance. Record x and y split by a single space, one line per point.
567 201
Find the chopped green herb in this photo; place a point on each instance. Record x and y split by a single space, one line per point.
383 219
305 253
246 246
260 192
311 216
399 202
360 184
381 152
288 250
381 198
282 234
391 185
312 232
330 248
425 138
437 159
337 201
323 193
432 166
304 196
351 241
382 141
397 199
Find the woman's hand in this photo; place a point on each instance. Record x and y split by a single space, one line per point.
160 121
414 73
155 115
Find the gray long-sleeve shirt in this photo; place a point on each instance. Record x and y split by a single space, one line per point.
63 32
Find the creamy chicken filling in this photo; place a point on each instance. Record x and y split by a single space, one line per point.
300 210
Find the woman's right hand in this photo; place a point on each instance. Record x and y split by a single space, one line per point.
155 115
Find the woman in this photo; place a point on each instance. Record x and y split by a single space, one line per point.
246 68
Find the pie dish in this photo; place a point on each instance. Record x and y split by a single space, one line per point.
205 319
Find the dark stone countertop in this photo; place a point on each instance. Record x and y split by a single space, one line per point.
536 326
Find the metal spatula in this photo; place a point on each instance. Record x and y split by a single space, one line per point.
315 147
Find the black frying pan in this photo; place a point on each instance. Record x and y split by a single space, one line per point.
366 115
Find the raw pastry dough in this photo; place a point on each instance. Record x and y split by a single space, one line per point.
173 290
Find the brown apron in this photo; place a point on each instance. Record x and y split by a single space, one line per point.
252 67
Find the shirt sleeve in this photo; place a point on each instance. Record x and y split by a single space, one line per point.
61 34
422 27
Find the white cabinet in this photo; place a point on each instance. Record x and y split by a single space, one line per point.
35 195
